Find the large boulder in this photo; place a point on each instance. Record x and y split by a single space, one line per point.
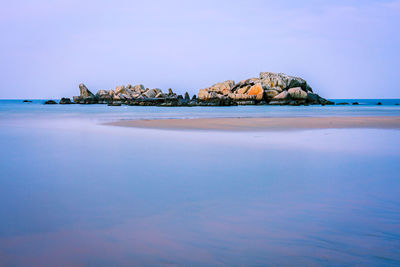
205 95
257 91
127 91
220 87
271 93
297 93
216 91
138 88
152 93
281 81
84 92
120 90
281 99
104 96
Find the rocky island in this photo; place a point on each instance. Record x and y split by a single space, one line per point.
268 89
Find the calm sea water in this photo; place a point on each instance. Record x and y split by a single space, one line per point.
74 192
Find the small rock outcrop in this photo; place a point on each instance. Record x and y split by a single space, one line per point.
50 102
65 101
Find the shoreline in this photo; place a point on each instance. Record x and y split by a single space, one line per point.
265 124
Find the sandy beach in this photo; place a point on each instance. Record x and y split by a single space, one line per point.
265 124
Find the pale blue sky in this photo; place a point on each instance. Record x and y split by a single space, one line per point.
345 49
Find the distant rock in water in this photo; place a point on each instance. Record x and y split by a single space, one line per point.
65 101
114 104
379 103
342 103
50 102
268 89
355 103
27 101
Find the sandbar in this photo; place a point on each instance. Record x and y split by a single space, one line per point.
265 124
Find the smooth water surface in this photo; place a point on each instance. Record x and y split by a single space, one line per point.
15 109
74 192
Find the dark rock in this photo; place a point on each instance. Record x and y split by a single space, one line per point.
114 104
50 102
342 103
326 102
187 97
65 101
294 103
355 103
379 103
27 101
217 102
245 102
313 98
146 102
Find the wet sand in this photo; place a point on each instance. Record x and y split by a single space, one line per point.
265 124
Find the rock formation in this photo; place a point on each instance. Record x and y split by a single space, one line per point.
86 97
270 88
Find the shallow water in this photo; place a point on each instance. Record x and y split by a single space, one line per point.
15 109
74 192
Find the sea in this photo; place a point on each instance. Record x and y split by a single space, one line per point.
76 192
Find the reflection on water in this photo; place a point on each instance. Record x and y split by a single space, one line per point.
76 193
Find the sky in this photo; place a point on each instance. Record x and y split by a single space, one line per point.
344 49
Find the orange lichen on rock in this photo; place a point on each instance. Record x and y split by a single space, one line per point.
256 90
